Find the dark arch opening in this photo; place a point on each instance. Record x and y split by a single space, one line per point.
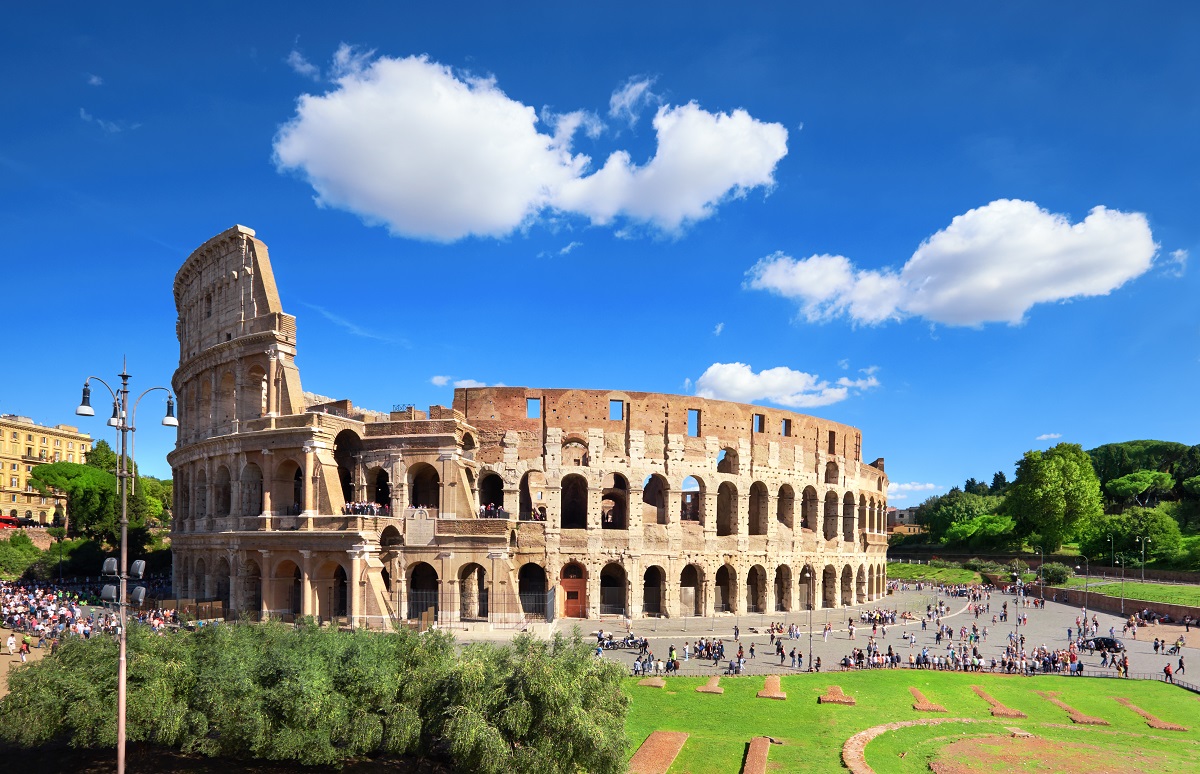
573 502
491 492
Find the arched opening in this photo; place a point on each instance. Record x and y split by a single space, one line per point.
756 590
810 509
726 590
847 586
759 503
612 590
226 403
785 506
653 591
222 492
491 493
532 495
575 452
386 576
251 590
831 515
347 451
390 537
531 587
860 585
614 502
727 496
253 397
848 518
252 490
340 593
200 581
422 591
863 524
220 582
379 486
692 500
424 486
654 499
201 494
806 587
783 588
286 591
472 593
691 594
573 502
573 582
831 473
204 406
468 444
727 461
829 580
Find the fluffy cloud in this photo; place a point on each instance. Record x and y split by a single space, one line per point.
717 330
439 381
442 380
94 80
1177 265
112 127
431 154
781 386
1048 436
627 102
302 66
991 264
912 486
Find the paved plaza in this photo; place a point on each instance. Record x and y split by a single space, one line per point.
1046 626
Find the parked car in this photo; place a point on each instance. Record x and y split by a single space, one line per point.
27 522
1106 644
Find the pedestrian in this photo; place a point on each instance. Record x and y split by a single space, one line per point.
793 655
736 632
1167 672
752 650
1180 670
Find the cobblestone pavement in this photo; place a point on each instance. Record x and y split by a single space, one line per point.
1046 626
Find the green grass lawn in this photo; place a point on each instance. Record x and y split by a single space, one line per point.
813 734
915 572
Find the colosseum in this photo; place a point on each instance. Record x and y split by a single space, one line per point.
513 505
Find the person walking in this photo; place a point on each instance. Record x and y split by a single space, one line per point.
12 644
1180 669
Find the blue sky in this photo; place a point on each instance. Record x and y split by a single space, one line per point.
964 229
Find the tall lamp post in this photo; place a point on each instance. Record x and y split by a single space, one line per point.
123 420
1121 562
808 585
1144 541
1041 582
1086 578
1112 552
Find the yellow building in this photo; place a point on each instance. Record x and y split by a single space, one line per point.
23 446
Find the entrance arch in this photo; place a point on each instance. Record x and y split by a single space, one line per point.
829 588
533 486
613 588
491 492
727 496
573 502
423 587
783 588
653 590
691 591
424 488
759 516
472 593
726 589
573 582
847 586
756 590
531 587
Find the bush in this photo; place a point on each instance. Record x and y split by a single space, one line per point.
1056 573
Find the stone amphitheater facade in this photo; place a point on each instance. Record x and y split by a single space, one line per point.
513 504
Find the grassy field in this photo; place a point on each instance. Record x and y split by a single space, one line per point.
812 734
1146 592
914 572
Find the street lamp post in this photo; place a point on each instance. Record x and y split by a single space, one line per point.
123 420
1041 580
808 585
1144 541
1121 562
1112 552
1086 579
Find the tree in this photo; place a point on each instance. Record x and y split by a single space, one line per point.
999 482
1140 486
976 487
940 513
102 457
1125 528
93 500
1054 490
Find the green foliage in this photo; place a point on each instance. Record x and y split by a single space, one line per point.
1157 524
976 487
1140 486
16 554
317 696
1054 573
1054 491
102 457
941 512
988 531
999 483
1192 485
1116 460
94 501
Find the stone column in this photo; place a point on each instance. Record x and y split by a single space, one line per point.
593 587
306 584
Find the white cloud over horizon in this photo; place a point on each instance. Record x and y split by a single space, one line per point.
436 155
627 102
991 264
1048 436
781 385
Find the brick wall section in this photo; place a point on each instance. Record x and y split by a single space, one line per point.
1106 604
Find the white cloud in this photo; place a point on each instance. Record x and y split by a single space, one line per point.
782 386
911 486
439 381
844 364
1177 265
566 250
409 144
628 101
302 66
991 264
94 80
353 328
1048 436
687 384
468 383
717 330
112 127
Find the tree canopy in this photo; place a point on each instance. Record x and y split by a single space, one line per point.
1140 486
1053 492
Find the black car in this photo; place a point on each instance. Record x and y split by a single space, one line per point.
1106 644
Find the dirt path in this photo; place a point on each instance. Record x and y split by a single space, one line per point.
12 663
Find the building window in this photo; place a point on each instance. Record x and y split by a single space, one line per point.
693 428
43 440
29 436
760 423
533 408
70 457
832 442
13 483
785 427
616 410
70 445
58 442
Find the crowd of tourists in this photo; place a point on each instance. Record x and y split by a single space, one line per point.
492 511
366 509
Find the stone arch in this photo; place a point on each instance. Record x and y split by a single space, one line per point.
727 461
613 590
226 403
847 586
614 502
575 452
654 590
810 509
200 580
848 517
727 516
831 473
491 490
379 486
863 524
829 586
287 490
691 590
655 491
253 396
860 585
201 480
251 578
220 581
785 506
222 492
807 587
251 480
531 493
472 593
872 592
424 486
531 588
423 587
204 405
573 502
691 499
333 590
390 537
286 594
468 443
783 588
756 590
573 582
831 515
347 451
759 504
726 590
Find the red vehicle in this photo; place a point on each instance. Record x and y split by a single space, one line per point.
9 522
